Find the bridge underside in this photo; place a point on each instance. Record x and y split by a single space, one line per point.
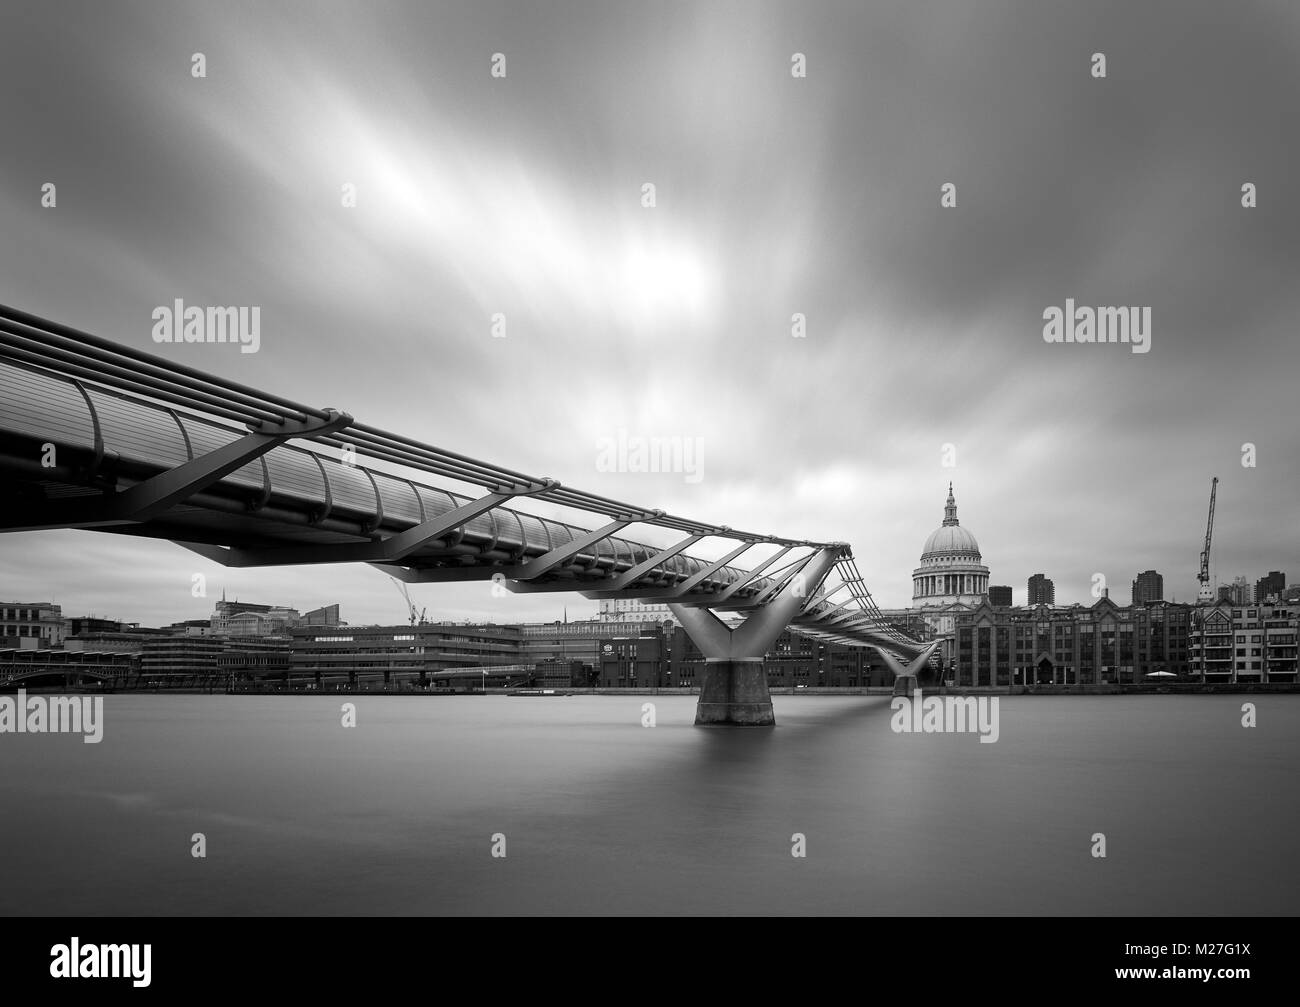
100 436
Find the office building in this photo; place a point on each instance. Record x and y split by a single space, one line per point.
1041 590
634 610
241 618
31 625
398 655
1270 588
1239 592
1148 586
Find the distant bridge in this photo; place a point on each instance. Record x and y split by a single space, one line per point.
102 436
19 665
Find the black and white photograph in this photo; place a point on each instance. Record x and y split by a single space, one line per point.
693 459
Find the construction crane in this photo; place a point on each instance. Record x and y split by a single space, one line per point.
1206 593
415 616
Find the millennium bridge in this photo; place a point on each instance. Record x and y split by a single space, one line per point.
98 435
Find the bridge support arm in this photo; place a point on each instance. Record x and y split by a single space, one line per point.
759 631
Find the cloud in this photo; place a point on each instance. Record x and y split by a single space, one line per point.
773 196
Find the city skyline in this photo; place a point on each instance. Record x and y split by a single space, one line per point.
924 324
580 609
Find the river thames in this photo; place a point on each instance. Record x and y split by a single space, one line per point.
600 814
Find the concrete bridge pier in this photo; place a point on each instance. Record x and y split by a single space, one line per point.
734 692
906 685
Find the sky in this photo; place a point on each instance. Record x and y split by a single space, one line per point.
922 358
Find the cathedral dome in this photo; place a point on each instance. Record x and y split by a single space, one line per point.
951 540
951 572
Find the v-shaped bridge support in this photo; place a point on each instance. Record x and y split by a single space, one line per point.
906 678
733 689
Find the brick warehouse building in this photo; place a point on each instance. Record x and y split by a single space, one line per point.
1073 645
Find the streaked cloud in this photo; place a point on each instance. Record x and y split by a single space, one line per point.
774 196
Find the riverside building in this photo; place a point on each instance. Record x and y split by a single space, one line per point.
1233 643
1099 644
